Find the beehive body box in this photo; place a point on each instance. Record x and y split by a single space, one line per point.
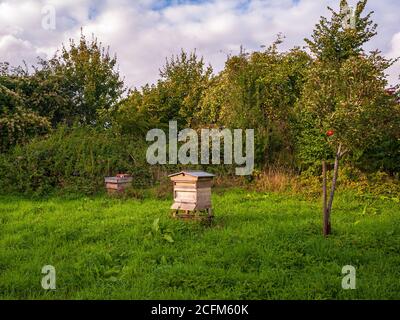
117 184
192 192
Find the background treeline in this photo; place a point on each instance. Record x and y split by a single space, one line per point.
71 120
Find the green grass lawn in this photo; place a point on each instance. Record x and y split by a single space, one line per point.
260 246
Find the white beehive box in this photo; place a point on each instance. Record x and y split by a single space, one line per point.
192 190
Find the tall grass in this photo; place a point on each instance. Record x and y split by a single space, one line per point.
260 246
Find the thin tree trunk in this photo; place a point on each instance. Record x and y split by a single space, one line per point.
334 181
327 223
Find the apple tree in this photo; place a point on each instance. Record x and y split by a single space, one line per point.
345 92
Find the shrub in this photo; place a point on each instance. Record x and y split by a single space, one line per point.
75 160
20 126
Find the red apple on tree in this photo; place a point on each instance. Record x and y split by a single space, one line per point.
330 133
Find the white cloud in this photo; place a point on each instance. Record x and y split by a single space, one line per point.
15 49
143 36
394 53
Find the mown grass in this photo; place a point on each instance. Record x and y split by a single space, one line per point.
260 246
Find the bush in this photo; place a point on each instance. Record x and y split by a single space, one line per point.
381 156
73 159
20 126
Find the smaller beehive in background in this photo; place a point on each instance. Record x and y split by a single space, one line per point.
118 183
192 193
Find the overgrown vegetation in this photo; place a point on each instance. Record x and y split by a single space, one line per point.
261 246
67 123
70 121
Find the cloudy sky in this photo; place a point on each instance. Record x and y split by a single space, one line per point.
144 32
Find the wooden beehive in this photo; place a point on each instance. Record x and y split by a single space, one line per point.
192 192
118 183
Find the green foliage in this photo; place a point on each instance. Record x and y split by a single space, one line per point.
310 143
10 97
132 117
352 101
345 89
89 79
259 91
290 98
261 246
158 231
20 126
75 159
333 43
38 91
75 85
79 84
377 184
177 94
384 155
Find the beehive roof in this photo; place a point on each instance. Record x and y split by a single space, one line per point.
117 179
198 174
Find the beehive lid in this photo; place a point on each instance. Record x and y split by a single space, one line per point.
118 179
195 174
